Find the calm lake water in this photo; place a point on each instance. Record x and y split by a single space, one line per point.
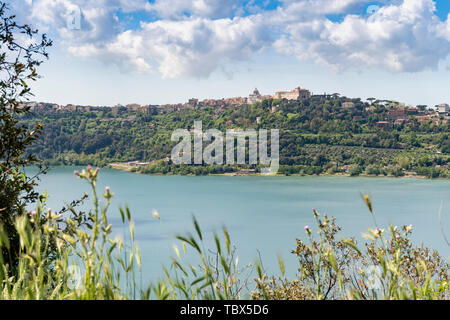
261 213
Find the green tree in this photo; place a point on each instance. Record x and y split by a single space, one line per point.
18 63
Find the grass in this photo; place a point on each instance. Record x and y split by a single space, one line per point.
75 257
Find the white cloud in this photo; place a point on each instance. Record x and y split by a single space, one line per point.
98 20
125 52
180 9
194 38
400 38
194 47
445 32
318 7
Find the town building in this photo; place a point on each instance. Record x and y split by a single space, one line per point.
443 108
254 97
348 105
383 125
146 109
296 94
235 101
412 110
274 109
115 110
138 163
400 121
192 103
70 108
424 118
83 108
398 113
133 107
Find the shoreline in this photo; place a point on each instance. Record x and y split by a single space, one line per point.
127 168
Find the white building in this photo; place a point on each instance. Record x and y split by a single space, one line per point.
296 94
254 97
443 108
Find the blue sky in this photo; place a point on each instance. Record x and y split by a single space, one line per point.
167 51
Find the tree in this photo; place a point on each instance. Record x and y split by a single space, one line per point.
335 95
20 55
371 100
422 107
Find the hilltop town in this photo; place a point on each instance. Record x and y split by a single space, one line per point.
398 114
255 96
319 133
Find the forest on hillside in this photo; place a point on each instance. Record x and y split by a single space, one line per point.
317 135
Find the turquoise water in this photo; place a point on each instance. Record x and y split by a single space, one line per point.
264 213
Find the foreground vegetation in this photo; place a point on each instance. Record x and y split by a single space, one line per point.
74 256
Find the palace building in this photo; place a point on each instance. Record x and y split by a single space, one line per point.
296 94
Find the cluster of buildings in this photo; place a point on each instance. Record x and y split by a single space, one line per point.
196 104
401 115
50 107
397 115
443 108
296 94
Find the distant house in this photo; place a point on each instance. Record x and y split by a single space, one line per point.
383 125
398 113
348 105
145 109
133 107
84 108
236 101
398 122
193 102
71 108
443 108
138 163
412 110
424 118
357 118
115 110
247 171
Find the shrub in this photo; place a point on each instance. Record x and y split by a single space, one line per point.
390 267
217 275
19 59
107 267
354 170
372 169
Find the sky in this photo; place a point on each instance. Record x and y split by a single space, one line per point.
107 52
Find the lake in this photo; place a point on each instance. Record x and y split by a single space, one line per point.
262 213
